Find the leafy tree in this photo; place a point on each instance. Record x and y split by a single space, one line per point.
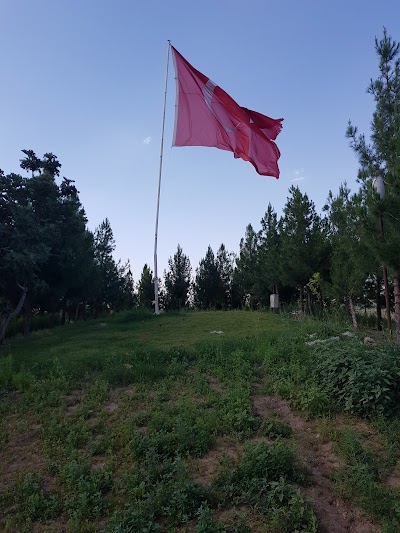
177 281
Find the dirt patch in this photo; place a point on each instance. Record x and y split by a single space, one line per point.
98 461
334 514
265 406
73 401
393 479
215 384
364 430
204 469
111 407
129 390
22 453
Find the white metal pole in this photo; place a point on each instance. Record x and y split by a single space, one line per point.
156 306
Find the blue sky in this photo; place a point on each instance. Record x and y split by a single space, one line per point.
84 79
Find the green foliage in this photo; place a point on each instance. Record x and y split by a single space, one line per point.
85 488
274 428
262 477
358 379
351 248
159 488
146 288
209 289
362 481
177 281
127 413
28 502
258 467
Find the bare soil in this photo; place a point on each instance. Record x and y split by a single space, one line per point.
334 514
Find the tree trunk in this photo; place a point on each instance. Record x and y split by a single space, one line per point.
77 311
396 283
309 301
378 304
301 299
387 300
27 316
353 312
13 314
64 301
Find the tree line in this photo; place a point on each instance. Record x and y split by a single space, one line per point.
51 263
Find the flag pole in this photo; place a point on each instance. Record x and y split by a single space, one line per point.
156 305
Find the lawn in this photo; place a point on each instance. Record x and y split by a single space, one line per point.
139 424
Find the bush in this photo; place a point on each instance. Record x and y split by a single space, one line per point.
361 380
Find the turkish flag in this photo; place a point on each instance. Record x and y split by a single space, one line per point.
205 115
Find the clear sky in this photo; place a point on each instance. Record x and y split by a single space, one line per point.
84 79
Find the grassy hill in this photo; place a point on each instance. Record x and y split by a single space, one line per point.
140 423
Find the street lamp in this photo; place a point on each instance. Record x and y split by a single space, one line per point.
379 186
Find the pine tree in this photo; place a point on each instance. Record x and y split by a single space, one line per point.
348 269
269 260
303 242
177 281
146 288
208 283
381 158
245 273
225 266
108 274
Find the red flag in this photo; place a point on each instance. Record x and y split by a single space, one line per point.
207 116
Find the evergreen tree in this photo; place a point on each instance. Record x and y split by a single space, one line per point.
177 281
269 260
129 297
146 288
303 242
245 273
349 270
108 273
381 158
208 284
225 266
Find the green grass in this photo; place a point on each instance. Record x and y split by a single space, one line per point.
102 423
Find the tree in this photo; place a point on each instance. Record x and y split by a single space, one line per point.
245 276
71 262
109 279
225 266
349 270
269 260
380 158
146 288
128 293
27 232
208 284
177 281
303 241
30 162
